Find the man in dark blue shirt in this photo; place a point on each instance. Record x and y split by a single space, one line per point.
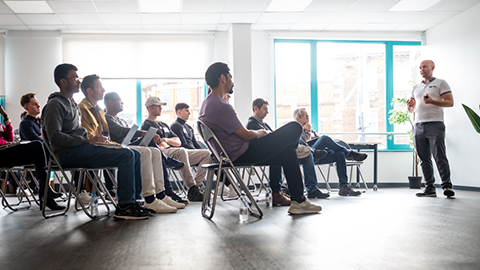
29 128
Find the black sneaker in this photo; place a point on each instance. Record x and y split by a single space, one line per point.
144 209
174 164
131 211
194 194
317 194
177 198
427 192
348 191
319 154
448 192
356 156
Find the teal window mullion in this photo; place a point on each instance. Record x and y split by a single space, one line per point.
389 89
139 102
313 85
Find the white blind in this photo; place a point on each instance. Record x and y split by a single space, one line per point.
139 56
2 64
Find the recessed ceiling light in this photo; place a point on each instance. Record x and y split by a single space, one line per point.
288 5
160 6
413 5
29 6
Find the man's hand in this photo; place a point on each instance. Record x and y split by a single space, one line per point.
262 132
427 99
307 126
157 139
411 103
98 138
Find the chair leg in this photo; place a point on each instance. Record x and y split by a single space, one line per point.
258 213
5 202
45 195
327 184
209 201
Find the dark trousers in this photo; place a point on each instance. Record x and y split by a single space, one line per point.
429 138
26 154
278 148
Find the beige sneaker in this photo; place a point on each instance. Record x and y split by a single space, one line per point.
168 201
305 207
303 151
160 207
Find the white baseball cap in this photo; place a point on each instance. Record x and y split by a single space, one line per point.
154 101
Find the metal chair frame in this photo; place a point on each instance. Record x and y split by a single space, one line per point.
20 183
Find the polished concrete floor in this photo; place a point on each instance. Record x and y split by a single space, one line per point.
387 229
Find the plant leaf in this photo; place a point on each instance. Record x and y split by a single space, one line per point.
474 118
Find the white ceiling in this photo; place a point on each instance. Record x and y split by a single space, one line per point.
217 15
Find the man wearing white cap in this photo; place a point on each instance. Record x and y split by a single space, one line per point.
170 145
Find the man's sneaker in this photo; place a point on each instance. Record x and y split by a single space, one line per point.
168 201
319 154
303 151
160 207
84 197
177 198
305 207
356 156
448 192
20 194
231 192
348 191
427 192
280 199
317 194
174 164
131 211
194 194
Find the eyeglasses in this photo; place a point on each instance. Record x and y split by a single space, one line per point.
76 79
304 114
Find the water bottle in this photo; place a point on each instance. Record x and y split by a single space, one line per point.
94 204
268 196
243 209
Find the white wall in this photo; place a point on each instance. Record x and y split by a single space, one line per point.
30 58
454 46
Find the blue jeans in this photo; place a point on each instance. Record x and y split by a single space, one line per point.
125 159
336 154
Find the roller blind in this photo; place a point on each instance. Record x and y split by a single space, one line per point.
139 56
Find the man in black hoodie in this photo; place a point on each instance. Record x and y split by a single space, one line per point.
69 142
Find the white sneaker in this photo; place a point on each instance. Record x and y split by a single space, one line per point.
84 197
226 190
231 192
305 207
160 207
20 194
168 201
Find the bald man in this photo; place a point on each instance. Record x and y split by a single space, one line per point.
428 100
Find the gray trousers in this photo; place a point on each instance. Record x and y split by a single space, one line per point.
429 138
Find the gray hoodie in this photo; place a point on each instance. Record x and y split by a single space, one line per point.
61 123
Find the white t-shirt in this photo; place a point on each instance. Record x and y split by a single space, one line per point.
435 88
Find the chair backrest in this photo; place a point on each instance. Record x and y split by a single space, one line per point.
212 142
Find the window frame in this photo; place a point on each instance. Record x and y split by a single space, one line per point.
391 146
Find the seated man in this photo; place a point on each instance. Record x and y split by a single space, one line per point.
336 153
69 142
254 146
29 128
118 130
255 122
170 145
184 131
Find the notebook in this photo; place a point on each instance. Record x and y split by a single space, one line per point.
148 137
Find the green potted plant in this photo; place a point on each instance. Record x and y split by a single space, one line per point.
399 116
474 118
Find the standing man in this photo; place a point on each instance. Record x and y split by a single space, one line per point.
254 146
427 101
171 146
255 122
182 129
69 142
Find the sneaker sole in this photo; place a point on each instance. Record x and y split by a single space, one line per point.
301 212
428 195
129 217
349 195
318 197
449 193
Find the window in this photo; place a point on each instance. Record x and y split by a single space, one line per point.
347 86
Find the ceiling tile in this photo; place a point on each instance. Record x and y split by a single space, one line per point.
380 27
454 5
372 5
121 18
277 17
357 17
317 17
117 6
344 27
272 27
203 6
10 19
40 19
245 5
198 27
162 18
78 7
80 18
117 27
200 18
14 27
83 27
29 7
240 17
434 17
415 27
396 16
162 27
330 6
308 27
48 27
4 8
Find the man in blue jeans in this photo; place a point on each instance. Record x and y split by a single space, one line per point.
336 153
255 122
69 142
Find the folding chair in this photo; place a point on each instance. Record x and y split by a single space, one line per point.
225 167
23 194
54 165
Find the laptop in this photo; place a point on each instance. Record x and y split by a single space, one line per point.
130 134
148 137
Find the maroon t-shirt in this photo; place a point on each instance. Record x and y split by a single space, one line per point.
222 119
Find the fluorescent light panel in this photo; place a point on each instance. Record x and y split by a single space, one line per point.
160 6
29 6
413 5
288 5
